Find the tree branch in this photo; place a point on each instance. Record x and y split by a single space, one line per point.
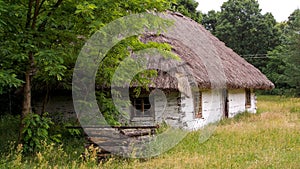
28 19
36 13
44 23
42 3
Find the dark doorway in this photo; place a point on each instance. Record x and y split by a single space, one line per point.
225 102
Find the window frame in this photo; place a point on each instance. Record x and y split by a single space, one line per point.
198 112
248 98
136 112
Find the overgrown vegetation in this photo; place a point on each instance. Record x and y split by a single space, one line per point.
268 139
36 132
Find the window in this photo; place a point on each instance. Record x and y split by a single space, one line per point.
248 98
141 106
198 111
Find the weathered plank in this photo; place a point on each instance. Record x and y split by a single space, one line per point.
125 139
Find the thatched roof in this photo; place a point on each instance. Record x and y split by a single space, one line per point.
209 60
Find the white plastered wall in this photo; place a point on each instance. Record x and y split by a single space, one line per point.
212 110
213 106
237 102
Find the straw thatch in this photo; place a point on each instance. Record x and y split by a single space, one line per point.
205 56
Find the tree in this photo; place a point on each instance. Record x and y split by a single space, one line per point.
210 20
35 43
283 68
42 38
275 70
8 77
188 8
293 58
244 29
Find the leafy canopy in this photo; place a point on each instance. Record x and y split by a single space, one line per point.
243 28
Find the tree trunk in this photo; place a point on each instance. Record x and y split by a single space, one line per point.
27 95
26 107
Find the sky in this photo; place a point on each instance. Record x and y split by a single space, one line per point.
281 9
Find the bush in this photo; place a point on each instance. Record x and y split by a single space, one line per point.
35 131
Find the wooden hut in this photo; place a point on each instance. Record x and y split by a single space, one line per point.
213 102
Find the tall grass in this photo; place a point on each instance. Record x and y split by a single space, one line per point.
268 139
8 131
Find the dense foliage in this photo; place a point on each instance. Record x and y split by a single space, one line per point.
243 28
284 65
188 8
35 132
40 40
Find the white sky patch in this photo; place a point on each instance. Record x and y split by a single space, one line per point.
281 9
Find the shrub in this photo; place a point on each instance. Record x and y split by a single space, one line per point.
35 132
